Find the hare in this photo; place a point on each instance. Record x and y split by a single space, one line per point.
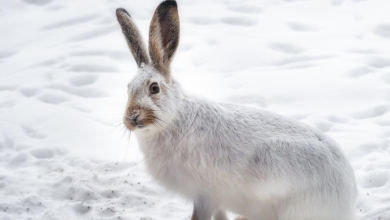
226 157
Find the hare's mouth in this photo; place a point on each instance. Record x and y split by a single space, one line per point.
134 123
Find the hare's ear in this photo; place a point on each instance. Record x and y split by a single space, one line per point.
133 37
164 36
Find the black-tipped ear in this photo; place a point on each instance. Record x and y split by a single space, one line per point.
132 37
164 36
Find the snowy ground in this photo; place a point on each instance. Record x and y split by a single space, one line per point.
64 67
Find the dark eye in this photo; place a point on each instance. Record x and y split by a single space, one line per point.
154 89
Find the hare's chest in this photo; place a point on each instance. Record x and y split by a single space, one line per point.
168 167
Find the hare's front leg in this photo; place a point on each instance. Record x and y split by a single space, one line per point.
204 208
220 215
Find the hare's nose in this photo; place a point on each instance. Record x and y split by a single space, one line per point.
135 119
134 115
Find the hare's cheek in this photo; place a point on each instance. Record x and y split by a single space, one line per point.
149 117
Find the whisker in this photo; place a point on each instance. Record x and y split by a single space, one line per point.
112 130
127 146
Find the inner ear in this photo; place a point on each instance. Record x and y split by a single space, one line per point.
164 36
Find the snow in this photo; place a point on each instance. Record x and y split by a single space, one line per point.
64 67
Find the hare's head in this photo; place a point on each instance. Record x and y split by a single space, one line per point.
153 94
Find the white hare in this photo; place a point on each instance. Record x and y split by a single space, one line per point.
227 157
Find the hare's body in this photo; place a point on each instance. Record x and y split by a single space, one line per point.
250 161
228 157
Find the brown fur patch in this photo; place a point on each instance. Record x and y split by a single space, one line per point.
145 116
149 117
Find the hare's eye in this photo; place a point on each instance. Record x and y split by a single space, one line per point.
154 89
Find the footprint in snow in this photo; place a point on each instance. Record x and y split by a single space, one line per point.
83 80
361 71
337 119
367 148
323 126
383 123
336 2
94 33
383 30
285 48
202 20
70 22
19 159
250 9
238 21
300 27
92 68
372 113
379 62
52 98
37 2
7 104
116 54
46 63
32 133
78 91
7 88
30 91
6 54
81 208
43 153
375 178
296 59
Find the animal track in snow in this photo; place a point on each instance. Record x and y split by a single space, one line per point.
82 80
6 54
94 33
92 68
379 62
32 133
52 98
361 71
365 149
300 27
81 208
19 159
70 22
383 30
377 178
7 88
251 9
372 113
30 91
383 123
323 126
285 48
123 55
82 92
7 104
42 153
202 20
296 59
238 21
38 2
337 119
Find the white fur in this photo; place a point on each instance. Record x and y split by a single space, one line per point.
243 159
